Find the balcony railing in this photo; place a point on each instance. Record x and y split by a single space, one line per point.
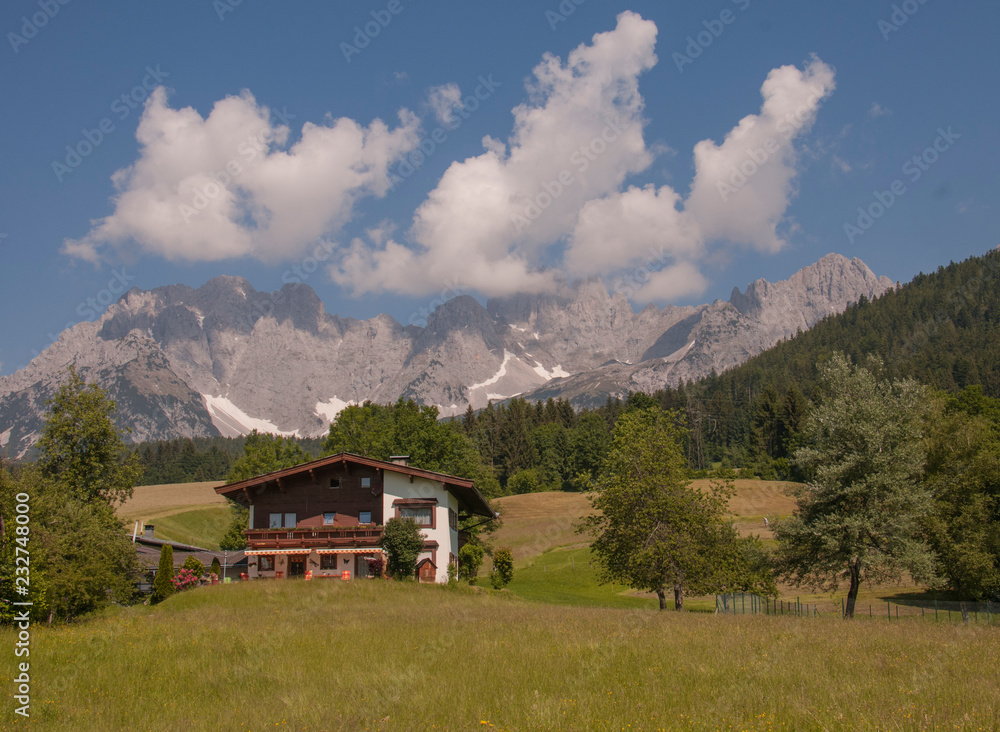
316 538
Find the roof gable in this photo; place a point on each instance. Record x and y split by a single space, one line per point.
461 488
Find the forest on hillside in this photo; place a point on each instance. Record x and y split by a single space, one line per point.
941 329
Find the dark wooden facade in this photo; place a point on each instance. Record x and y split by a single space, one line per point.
309 496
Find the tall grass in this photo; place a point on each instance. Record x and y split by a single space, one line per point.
327 655
202 527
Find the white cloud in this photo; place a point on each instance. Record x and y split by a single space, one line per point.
479 227
742 188
549 202
670 283
224 187
445 101
493 219
877 110
622 230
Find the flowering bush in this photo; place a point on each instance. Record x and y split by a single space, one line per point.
211 578
185 579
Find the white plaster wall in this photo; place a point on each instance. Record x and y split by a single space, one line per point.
397 485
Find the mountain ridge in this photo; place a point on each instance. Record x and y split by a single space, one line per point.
225 358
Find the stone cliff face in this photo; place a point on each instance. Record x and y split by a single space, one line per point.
226 359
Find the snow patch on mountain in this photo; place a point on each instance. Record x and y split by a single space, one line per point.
507 356
232 421
556 373
329 409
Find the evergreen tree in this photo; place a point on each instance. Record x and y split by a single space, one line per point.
163 583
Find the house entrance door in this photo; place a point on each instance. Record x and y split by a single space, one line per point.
296 566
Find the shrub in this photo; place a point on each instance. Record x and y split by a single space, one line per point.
195 566
452 572
503 568
163 584
402 542
185 579
376 566
470 559
216 568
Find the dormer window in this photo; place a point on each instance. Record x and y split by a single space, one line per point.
366 482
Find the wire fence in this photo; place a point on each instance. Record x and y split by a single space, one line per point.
745 603
891 610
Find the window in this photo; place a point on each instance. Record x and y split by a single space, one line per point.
265 563
366 482
282 521
329 518
327 561
453 519
334 483
423 515
365 517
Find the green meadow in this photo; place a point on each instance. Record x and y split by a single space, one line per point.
556 650
379 655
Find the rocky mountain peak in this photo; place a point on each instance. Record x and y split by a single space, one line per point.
226 358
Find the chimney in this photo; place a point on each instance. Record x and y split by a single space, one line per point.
147 531
399 460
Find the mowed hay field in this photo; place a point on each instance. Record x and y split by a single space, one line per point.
190 513
538 522
150 502
554 564
378 655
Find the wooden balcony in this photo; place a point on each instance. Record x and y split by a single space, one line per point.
315 538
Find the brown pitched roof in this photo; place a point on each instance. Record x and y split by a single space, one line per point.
464 490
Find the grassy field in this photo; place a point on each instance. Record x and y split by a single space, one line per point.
539 522
553 562
202 527
375 655
191 513
149 502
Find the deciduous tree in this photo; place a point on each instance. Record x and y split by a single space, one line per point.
81 448
402 541
858 517
653 531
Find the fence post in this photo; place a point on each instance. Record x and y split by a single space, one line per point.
935 610
888 610
843 611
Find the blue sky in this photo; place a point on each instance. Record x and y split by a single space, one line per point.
615 155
